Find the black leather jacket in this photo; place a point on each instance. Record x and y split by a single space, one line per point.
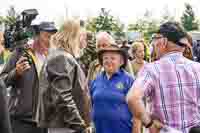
63 98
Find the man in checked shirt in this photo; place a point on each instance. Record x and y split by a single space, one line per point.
171 84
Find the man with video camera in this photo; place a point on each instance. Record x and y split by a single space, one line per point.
21 73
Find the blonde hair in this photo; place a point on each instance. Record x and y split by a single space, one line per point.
68 38
135 46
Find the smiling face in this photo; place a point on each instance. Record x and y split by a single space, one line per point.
112 61
140 51
45 38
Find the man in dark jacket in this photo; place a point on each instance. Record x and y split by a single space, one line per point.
21 72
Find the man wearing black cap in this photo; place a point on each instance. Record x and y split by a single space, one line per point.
21 72
171 85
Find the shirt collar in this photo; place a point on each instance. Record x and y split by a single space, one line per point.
37 47
115 74
172 54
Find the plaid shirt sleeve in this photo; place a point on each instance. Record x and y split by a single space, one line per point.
145 81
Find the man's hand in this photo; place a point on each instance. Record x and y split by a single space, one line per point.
22 65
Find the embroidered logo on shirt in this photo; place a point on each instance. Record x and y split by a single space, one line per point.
120 86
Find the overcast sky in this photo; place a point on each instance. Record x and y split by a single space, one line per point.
126 10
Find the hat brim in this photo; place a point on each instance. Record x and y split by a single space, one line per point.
49 30
114 50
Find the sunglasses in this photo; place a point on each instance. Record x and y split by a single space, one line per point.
157 37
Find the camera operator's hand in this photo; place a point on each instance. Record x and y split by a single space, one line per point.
22 65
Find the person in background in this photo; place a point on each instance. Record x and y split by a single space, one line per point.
64 100
152 50
125 46
103 39
138 53
108 91
83 38
21 72
188 50
171 84
4 53
83 45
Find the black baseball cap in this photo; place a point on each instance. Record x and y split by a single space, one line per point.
173 32
47 26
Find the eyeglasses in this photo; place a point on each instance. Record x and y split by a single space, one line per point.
157 37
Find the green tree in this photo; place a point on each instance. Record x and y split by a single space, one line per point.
1 19
145 25
105 22
188 18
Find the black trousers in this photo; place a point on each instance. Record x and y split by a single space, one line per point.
195 129
19 126
5 125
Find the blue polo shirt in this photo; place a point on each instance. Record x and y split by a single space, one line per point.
110 111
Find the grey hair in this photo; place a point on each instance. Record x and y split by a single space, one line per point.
104 35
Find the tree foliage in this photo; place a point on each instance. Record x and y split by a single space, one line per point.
145 25
105 22
1 19
188 19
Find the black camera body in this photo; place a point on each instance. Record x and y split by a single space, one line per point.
19 32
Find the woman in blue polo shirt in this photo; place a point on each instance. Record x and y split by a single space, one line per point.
108 91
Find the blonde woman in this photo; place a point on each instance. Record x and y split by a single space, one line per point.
64 102
138 51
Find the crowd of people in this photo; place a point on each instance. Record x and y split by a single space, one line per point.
121 92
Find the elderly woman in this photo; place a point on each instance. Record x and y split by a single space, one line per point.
64 103
138 51
108 91
103 39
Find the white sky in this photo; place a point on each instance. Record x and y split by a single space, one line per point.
126 10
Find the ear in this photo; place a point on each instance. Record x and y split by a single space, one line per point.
165 41
121 60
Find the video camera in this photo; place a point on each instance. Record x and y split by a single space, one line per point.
18 33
